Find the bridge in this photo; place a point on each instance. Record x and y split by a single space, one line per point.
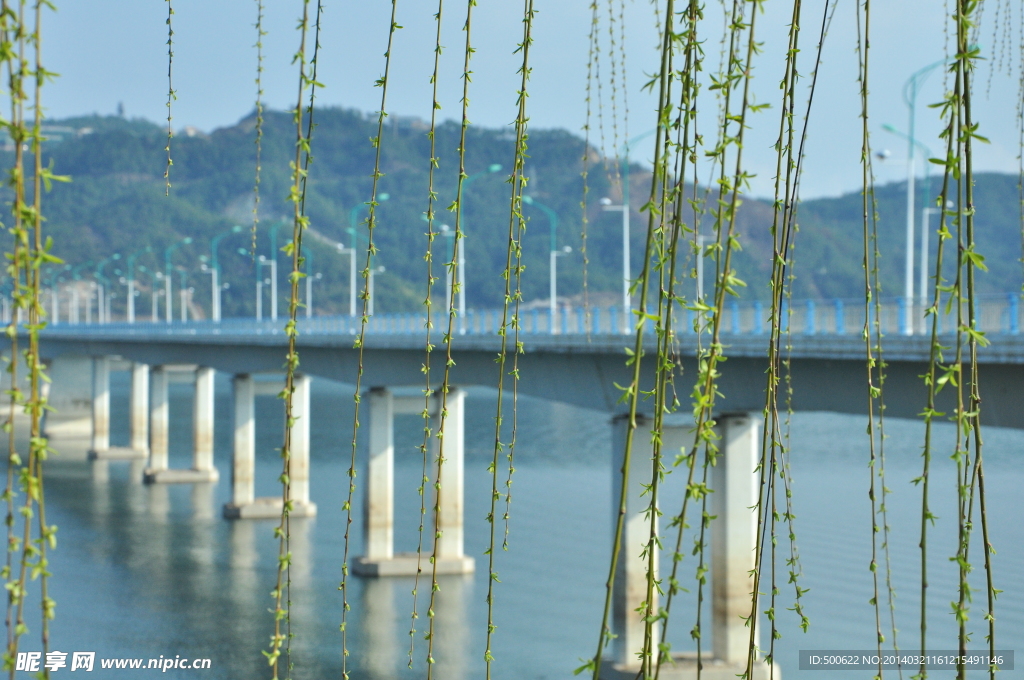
562 361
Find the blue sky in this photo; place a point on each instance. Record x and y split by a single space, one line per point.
111 51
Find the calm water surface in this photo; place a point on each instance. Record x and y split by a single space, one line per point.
142 571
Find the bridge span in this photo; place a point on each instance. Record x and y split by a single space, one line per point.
828 374
828 370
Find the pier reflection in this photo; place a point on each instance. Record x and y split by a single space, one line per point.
386 608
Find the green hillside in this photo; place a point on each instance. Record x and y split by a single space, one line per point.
116 203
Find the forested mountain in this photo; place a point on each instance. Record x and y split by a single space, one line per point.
116 203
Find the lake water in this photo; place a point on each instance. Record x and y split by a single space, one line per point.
143 571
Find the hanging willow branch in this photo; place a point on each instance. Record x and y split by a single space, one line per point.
665 227
171 96
259 124
11 25
428 392
585 173
959 164
512 297
872 308
453 273
686 153
371 250
775 437
297 196
30 254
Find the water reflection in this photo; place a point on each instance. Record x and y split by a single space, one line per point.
202 502
451 626
382 646
385 610
159 503
100 472
143 570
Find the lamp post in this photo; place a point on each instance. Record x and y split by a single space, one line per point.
353 223
206 267
259 293
700 267
272 263
52 282
552 258
908 282
925 214
155 310
55 301
183 293
351 252
131 280
103 283
262 260
447 232
461 229
168 295
307 256
5 308
353 214
606 204
373 270
910 91
215 271
76 277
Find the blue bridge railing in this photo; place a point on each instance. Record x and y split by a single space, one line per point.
997 314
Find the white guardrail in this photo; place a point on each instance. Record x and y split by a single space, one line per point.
996 314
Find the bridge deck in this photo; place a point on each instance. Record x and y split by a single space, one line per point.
1004 348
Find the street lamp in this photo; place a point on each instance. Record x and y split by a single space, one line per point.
155 309
103 283
214 271
52 281
461 229
55 300
131 281
307 256
76 277
183 293
909 262
374 270
266 260
447 232
168 296
353 214
910 91
272 263
606 204
553 259
353 218
5 307
351 252
925 214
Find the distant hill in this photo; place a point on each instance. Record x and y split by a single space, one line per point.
116 203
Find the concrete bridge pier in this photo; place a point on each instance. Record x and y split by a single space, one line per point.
139 409
100 448
100 407
202 469
70 395
244 503
378 516
735 482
